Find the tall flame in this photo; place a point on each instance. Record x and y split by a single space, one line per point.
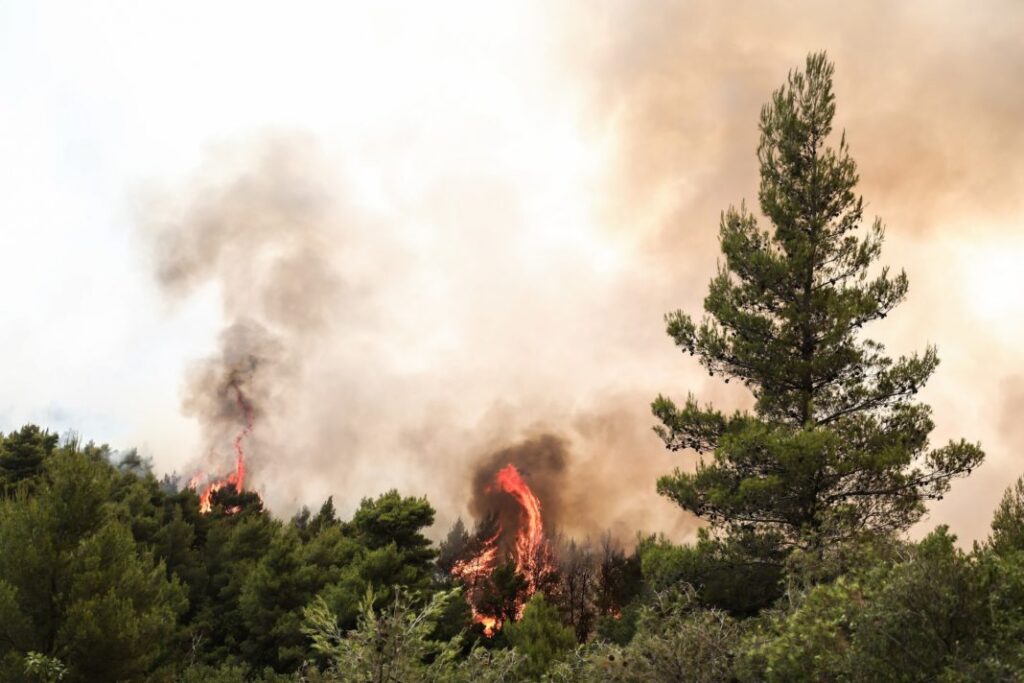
529 536
530 550
235 479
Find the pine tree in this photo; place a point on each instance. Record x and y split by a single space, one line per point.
22 454
836 443
541 636
75 586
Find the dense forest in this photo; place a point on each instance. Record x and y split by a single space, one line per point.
803 570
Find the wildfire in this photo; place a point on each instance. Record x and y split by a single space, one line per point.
529 536
235 479
471 570
530 550
490 624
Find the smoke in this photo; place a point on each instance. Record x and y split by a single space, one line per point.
676 87
542 461
366 370
480 274
225 392
935 130
592 476
255 223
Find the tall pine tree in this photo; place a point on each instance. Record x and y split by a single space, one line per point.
836 443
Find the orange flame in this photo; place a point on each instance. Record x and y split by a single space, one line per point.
490 624
234 479
472 571
531 553
530 536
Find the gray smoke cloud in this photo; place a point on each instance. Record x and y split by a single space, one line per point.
406 336
542 461
315 296
930 99
256 223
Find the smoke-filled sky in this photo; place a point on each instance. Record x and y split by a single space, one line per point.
444 230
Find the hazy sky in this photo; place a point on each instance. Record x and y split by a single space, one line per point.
462 223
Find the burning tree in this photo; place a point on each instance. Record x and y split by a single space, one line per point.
509 557
255 221
229 393
234 480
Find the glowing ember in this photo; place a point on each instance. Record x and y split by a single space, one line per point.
235 479
490 624
530 550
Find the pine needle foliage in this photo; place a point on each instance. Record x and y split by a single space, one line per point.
837 443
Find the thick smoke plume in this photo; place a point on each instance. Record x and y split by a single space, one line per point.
324 309
448 276
260 233
217 386
543 463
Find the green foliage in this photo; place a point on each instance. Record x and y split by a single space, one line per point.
106 558
676 640
230 548
119 577
44 669
1008 521
201 673
484 666
383 547
271 603
392 645
394 520
540 636
679 641
740 574
836 444
937 613
22 454
79 590
620 627
453 548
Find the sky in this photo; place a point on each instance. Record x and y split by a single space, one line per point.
453 227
